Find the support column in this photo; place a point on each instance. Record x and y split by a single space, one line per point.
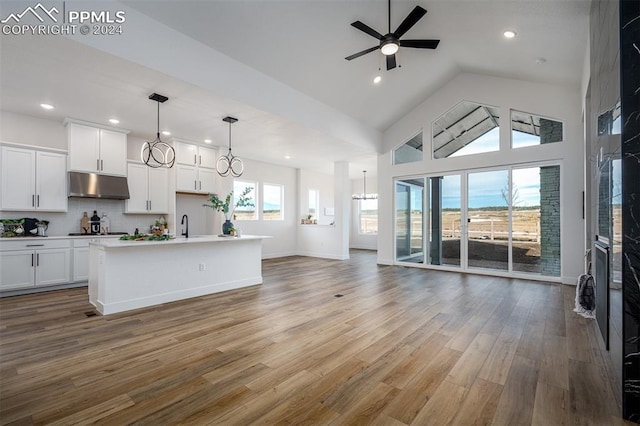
342 211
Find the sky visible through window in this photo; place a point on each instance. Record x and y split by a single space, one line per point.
272 199
487 191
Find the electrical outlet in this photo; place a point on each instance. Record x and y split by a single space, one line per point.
201 267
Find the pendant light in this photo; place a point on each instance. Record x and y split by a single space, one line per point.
364 195
229 164
157 153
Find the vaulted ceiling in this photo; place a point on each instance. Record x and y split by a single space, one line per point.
295 94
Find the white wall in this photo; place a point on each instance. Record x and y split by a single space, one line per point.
322 240
27 130
283 231
560 102
357 240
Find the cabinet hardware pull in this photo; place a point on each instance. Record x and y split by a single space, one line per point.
33 200
38 200
149 205
195 184
35 245
199 159
32 260
195 159
37 259
200 185
97 164
102 165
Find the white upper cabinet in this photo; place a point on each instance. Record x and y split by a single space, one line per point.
207 158
195 170
194 155
33 180
148 189
97 150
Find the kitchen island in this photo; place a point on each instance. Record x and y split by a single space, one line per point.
125 275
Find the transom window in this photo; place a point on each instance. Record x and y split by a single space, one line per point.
409 152
467 128
530 129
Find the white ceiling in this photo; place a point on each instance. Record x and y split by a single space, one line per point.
301 44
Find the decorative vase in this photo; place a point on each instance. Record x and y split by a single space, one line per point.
226 227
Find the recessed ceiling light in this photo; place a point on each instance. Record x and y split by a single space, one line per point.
46 106
287 157
166 133
114 121
377 79
207 141
509 34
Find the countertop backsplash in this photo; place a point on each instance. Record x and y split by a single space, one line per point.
61 224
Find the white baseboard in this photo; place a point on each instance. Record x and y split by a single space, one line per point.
277 255
323 255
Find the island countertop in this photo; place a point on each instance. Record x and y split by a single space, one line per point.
196 239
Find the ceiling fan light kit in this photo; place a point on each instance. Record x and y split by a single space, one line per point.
390 43
157 153
229 164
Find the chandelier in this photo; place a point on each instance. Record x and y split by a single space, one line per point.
364 195
229 164
157 153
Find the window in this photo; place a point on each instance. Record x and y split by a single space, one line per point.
530 129
247 212
314 202
609 121
409 152
368 217
272 202
467 128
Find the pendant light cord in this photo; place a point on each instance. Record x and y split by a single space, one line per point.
158 126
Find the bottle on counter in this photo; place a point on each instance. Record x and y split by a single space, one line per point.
104 224
85 227
95 223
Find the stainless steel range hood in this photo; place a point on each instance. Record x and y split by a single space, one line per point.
93 185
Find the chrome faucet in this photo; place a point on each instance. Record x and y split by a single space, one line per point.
186 229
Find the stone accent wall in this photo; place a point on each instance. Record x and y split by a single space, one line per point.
550 131
550 220
630 97
603 94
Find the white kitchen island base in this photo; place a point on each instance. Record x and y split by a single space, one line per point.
125 275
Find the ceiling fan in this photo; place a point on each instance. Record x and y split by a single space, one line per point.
390 42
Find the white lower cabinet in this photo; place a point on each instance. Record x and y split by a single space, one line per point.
32 263
80 260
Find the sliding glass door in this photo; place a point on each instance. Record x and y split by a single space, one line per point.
504 220
445 220
409 220
488 219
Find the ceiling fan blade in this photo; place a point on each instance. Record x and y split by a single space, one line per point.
364 52
367 29
420 44
410 21
391 62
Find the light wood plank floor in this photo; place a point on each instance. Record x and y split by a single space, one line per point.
401 346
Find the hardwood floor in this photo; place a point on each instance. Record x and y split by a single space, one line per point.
401 346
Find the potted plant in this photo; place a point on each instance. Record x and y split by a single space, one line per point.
226 206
